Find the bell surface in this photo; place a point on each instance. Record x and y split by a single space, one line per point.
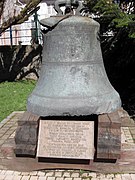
73 80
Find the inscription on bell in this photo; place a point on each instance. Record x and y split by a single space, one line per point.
66 139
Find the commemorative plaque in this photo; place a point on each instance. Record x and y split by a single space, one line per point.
66 139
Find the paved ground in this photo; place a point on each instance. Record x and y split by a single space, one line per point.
7 132
62 175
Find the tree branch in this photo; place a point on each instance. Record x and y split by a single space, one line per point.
24 14
1 7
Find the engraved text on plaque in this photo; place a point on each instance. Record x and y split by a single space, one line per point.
66 139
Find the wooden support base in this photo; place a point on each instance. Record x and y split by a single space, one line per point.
26 136
109 136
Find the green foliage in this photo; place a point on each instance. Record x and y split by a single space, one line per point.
123 20
105 8
112 13
13 96
126 21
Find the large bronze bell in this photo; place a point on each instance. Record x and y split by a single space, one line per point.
73 80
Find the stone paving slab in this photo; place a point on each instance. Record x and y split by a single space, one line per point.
62 175
22 168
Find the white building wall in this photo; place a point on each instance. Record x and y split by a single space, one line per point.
23 32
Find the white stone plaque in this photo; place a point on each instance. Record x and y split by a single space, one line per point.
66 139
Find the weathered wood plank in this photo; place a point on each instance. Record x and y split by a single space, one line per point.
24 118
26 136
28 119
25 150
104 121
115 119
109 136
33 119
103 142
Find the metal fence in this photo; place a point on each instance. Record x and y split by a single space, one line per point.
25 33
